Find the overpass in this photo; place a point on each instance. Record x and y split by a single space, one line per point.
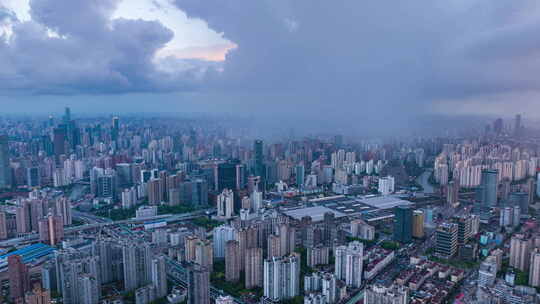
166 217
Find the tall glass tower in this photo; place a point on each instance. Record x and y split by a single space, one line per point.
403 224
5 170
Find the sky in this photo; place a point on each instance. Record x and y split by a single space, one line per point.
360 64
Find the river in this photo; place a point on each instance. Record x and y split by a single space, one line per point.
423 180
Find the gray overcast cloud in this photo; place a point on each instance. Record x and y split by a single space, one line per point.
357 61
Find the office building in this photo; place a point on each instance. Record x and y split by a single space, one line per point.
446 240
519 199
33 178
5 169
464 223
418 224
488 186
300 175
403 224
349 263
258 161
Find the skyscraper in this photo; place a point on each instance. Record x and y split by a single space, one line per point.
300 175
258 161
115 128
226 175
33 178
403 224
198 285
5 169
59 141
488 188
517 125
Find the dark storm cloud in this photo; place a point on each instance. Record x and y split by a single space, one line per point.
87 52
361 62
374 57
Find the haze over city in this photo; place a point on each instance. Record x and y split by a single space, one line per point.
269 152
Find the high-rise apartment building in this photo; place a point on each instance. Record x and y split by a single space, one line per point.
287 239
254 267
378 294
282 278
534 272
349 263
198 285
232 261
137 261
225 204
19 280
63 209
520 251
222 235
51 229
159 276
